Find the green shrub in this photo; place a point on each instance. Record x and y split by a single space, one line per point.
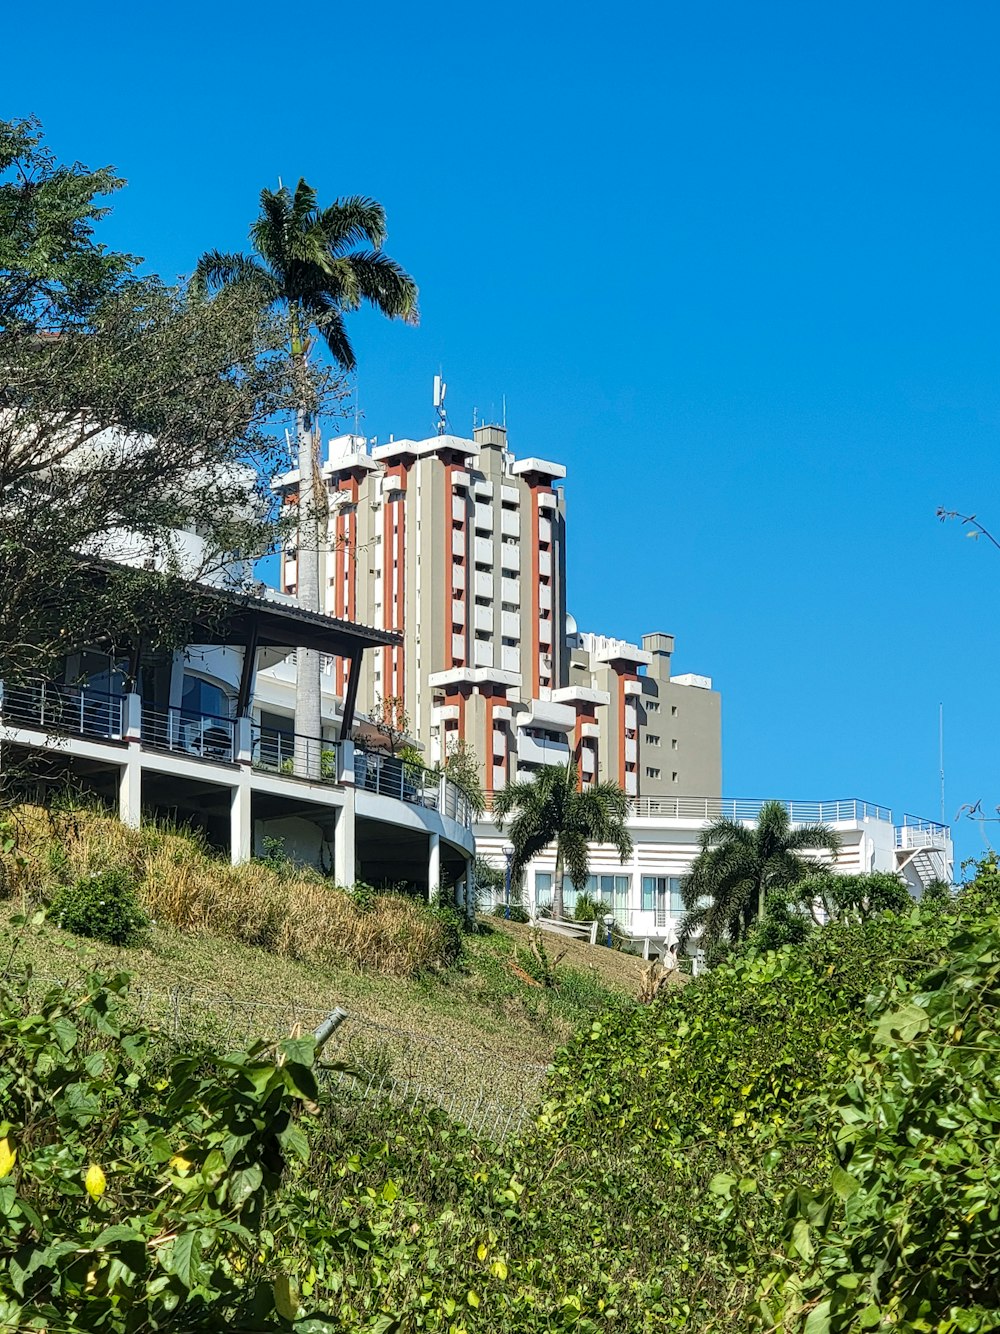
588 909
513 912
104 907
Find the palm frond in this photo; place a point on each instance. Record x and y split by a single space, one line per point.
383 283
352 221
216 270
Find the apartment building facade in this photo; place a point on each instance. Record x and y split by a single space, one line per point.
459 548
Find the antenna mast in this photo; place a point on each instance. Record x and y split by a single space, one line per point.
941 756
440 390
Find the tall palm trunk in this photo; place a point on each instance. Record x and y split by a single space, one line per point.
558 905
308 689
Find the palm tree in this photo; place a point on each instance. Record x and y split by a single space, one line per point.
551 808
306 263
738 865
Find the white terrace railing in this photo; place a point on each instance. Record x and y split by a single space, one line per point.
850 811
917 833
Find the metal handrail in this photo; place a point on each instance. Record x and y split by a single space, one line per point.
851 810
408 780
52 706
206 736
294 755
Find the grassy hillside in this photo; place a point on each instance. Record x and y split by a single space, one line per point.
236 953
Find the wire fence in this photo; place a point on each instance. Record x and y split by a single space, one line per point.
383 1063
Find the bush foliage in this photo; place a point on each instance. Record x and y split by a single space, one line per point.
104 907
804 1140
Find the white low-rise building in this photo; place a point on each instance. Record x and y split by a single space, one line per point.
644 894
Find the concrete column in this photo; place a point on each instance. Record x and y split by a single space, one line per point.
344 847
240 823
345 762
130 788
243 741
434 864
132 718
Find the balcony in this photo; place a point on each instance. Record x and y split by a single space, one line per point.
510 658
458 508
483 619
484 584
544 529
510 557
510 591
539 750
67 710
484 517
545 597
76 722
510 624
484 551
457 612
545 564
458 544
510 523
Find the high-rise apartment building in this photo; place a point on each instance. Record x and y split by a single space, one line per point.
461 548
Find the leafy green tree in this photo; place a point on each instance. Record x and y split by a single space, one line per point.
128 414
841 898
306 264
461 767
550 808
738 865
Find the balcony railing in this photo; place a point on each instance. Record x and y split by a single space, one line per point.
917 833
705 809
735 808
58 709
63 709
204 735
404 780
294 755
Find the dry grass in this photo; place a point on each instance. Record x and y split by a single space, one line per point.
294 915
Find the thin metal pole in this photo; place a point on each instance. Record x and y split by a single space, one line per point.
941 755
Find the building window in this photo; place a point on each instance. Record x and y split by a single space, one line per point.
660 892
652 773
673 710
673 743
543 889
652 706
673 776
652 740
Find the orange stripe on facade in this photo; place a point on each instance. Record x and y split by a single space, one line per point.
536 601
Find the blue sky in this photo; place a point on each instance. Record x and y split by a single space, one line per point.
736 264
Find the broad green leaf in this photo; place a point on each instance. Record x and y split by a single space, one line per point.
184 1255
818 1320
843 1184
902 1025
286 1299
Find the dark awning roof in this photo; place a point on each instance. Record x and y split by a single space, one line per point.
283 625
224 616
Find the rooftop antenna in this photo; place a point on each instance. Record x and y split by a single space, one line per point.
504 401
475 418
357 400
941 756
440 390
